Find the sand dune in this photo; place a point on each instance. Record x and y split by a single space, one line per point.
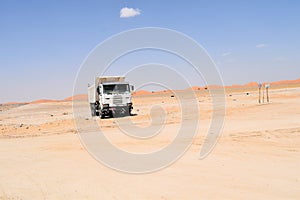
285 82
44 101
78 97
141 92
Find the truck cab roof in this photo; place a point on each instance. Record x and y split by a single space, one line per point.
114 83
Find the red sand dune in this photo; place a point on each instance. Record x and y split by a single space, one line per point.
165 91
213 86
234 86
251 84
284 82
77 97
194 88
141 92
43 101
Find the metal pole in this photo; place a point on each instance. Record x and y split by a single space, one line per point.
263 91
259 92
267 90
259 95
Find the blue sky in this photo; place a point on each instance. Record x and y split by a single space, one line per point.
43 43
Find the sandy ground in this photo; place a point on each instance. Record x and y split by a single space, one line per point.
257 156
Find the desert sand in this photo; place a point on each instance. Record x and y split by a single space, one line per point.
256 157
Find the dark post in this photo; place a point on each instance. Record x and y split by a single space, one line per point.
259 92
267 90
263 91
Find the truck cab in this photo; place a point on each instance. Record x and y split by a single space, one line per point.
110 96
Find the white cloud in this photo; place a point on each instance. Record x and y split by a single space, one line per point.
129 12
225 54
261 45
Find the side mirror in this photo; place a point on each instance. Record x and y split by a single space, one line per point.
98 90
131 88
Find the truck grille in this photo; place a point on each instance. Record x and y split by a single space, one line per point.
117 100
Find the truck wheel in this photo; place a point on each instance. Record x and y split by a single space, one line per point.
101 115
93 109
129 111
111 115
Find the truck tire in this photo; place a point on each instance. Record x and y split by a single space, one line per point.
129 110
93 109
111 115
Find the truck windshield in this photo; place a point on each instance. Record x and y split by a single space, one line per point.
115 88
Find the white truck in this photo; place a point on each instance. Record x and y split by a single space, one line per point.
110 96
